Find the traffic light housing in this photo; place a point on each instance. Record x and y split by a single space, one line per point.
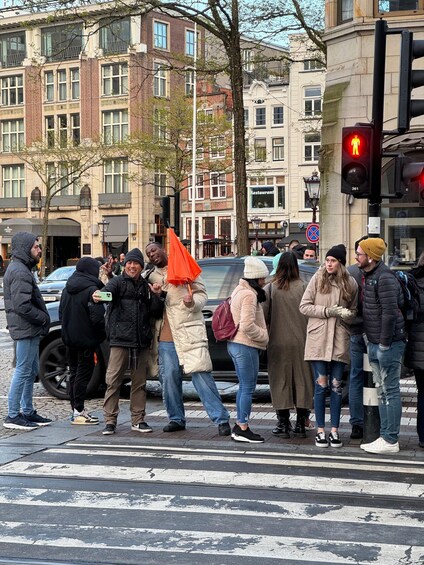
356 170
413 177
408 80
166 210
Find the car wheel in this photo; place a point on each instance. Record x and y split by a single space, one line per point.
54 371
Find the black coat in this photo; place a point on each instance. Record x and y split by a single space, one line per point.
26 313
381 307
129 315
83 321
414 356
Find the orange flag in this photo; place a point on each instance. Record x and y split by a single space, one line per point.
182 268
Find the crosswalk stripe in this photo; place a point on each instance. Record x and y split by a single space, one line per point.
239 507
216 478
281 461
208 543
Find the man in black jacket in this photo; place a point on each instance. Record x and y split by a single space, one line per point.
83 330
384 327
128 323
27 321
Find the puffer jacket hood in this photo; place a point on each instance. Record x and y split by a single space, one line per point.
80 281
22 243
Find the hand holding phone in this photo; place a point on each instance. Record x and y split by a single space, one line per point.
104 296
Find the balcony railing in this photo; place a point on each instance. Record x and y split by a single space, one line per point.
63 54
12 60
114 47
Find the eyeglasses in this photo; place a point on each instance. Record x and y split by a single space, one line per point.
359 254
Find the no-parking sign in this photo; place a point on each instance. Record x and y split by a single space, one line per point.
312 233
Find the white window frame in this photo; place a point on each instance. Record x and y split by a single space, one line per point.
62 85
114 126
12 87
74 77
260 146
278 148
160 39
160 178
115 176
260 117
49 86
247 60
115 79
275 118
311 147
200 186
160 80
312 102
189 82
12 135
13 181
217 147
159 125
218 185
190 38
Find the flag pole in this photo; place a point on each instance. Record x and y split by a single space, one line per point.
194 151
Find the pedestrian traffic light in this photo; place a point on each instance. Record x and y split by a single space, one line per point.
357 142
166 211
413 177
408 80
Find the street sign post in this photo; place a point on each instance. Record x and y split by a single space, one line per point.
312 233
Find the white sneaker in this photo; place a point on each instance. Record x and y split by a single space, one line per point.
380 445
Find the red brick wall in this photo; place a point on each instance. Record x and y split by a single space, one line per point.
33 92
90 96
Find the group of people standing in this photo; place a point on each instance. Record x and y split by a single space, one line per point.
310 333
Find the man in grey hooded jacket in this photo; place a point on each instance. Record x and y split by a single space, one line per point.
27 321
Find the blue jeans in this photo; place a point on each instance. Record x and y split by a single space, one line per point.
171 379
332 371
246 364
356 380
22 385
386 369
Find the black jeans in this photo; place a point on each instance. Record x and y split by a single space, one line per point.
419 378
81 366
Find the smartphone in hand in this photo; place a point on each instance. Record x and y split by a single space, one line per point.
104 296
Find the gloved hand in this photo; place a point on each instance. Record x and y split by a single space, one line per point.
347 314
334 311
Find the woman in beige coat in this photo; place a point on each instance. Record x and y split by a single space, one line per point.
330 303
251 336
290 377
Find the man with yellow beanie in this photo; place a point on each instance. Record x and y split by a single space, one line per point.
384 328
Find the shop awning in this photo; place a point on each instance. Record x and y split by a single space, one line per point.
117 231
63 228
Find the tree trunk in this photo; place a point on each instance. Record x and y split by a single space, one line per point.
44 235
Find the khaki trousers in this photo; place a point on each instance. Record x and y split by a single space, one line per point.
118 364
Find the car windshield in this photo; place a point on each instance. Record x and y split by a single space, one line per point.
61 274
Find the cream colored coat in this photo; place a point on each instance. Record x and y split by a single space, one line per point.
248 314
187 324
327 339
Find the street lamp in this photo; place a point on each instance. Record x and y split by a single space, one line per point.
312 184
256 222
104 226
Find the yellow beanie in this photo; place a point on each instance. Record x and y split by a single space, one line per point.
374 247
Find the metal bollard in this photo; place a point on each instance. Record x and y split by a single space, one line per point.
371 412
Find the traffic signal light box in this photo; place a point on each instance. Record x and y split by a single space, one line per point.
356 170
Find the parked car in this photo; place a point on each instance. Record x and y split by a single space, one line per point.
52 286
220 274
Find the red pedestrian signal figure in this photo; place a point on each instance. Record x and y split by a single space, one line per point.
356 166
355 143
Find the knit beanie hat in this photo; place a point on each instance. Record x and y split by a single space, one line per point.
338 252
254 268
89 266
374 247
275 262
134 255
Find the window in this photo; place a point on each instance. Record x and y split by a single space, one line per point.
218 185
217 147
246 117
312 146
159 125
49 86
397 5
278 115
115 36
12 49
160 35
260 117
345 10
189 42
281 196
59 43
12 90
13 181
50 133
115 126
200 193
115 79
75 84
313 101
189 82
312 65
61 85
75 129
12 135
62 122
160 181
159 80
246 55
63 130
262 196
205 116
68 182
260 150
116 176
278 149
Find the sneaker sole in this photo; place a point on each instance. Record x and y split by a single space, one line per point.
84 423
321 444
108 433
336 445
141 431
382 451
17 427
245 440
42 424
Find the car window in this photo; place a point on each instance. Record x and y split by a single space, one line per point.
217 279
61 274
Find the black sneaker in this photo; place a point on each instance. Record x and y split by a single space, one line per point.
37 419
224 429
321 440
246 436
141 427
19 422
357 432
173 427
335 440
109 430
